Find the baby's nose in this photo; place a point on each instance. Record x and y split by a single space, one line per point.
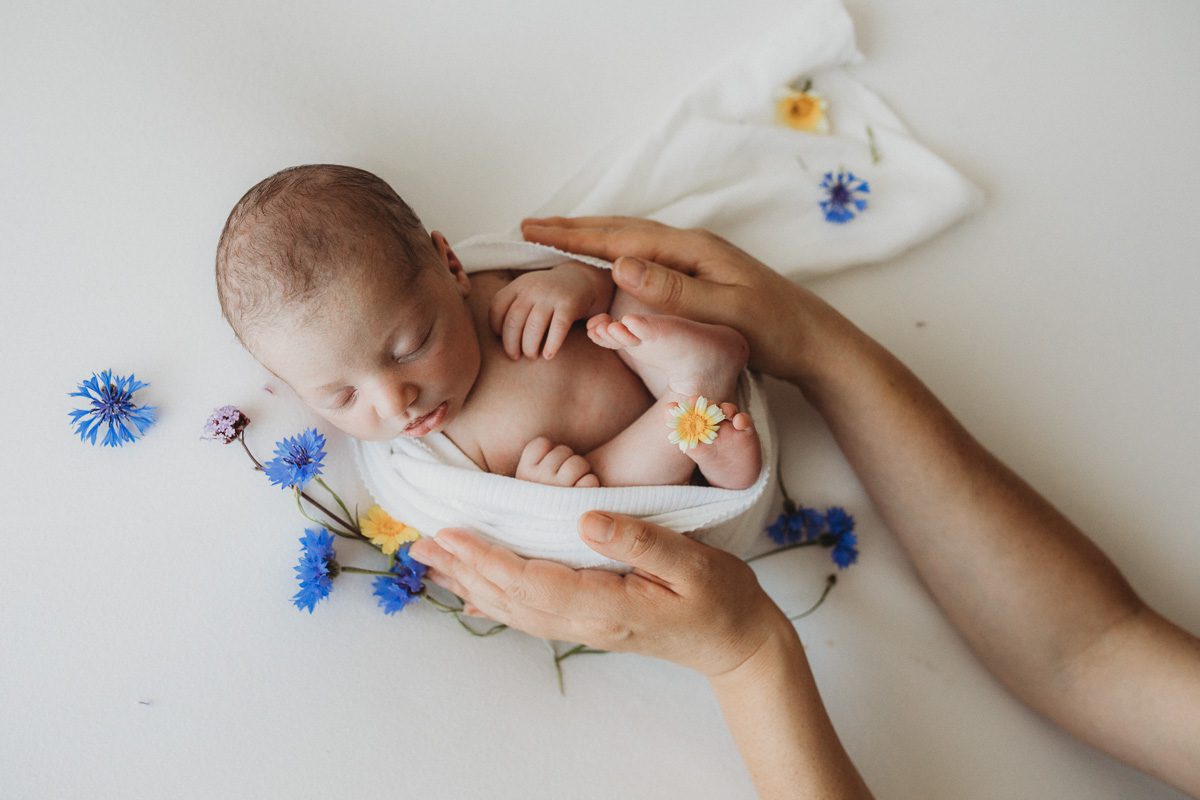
395 400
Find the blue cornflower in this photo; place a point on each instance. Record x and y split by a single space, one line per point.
807 523
842 192
112 404
395 593
780 531
297 460
317 568
802 524
841 529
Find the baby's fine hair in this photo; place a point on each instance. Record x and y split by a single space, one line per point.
293 233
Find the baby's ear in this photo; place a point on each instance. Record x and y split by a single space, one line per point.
451 262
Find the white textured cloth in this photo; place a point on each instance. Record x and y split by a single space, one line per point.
719 160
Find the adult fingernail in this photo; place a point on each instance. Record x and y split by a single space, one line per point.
598 527
631 271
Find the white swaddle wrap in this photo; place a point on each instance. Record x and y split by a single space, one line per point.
719 160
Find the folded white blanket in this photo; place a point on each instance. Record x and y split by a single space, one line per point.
718 159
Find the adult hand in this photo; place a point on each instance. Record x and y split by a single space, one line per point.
697 274
684 601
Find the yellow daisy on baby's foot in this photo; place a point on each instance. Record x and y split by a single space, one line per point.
386 532
803 110
694 424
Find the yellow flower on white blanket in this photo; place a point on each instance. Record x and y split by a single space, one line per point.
803 110
385 531
694 424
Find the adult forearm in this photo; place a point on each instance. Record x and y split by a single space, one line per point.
1026 589
775 714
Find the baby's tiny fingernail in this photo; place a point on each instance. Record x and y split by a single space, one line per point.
448 544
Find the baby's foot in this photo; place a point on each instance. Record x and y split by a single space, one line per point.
681 356
733 460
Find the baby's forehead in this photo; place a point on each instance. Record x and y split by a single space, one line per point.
360 311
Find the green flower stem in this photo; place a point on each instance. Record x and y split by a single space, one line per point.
353 519
874 147
829 582
438 603
364 571
328 513
792 546
579 649
789 505
259 467
322 523
457 612
499 626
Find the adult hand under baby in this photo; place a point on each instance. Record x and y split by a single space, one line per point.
684 601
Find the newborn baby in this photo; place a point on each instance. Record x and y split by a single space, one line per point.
332 282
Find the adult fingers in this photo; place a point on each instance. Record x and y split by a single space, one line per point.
672 292
612 237
664 554
521 592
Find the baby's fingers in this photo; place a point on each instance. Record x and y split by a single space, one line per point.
560 326
514 326
535 330
498 310
573 470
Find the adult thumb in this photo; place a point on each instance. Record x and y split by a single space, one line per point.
661 288
652 548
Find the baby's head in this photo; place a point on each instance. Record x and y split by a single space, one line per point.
331 281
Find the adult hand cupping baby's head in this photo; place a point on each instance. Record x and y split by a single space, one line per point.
684 601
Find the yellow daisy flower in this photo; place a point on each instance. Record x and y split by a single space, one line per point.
385 532
693 424
804 111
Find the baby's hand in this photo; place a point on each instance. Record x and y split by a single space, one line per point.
542 462
544 304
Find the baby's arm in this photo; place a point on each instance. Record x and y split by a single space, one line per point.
543 305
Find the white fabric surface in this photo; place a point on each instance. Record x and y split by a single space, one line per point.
431 484
149 648
718 159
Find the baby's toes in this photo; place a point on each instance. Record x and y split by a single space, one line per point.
622 335
589 481
740 420
596 320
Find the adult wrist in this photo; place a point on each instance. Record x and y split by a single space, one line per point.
777 643
821 341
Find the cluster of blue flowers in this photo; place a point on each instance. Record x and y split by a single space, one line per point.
318 566
833 529
395 593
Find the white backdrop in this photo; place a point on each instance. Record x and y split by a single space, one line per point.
148 647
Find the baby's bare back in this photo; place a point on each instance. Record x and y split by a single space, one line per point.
582 397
